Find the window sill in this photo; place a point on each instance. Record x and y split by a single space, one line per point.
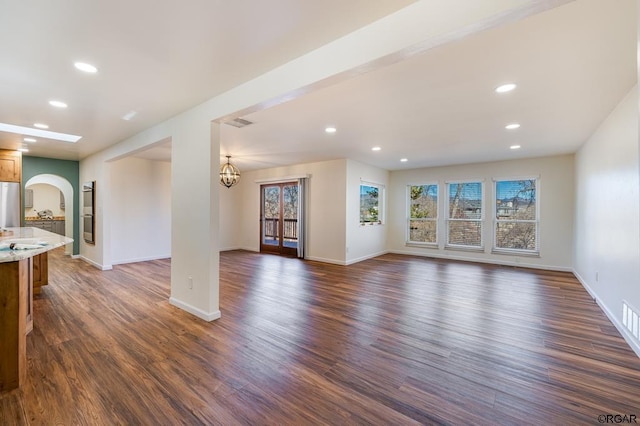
421 245
464 248
371 223
519 253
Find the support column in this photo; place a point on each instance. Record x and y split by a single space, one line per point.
194 215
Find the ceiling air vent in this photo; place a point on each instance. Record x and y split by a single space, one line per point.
239 122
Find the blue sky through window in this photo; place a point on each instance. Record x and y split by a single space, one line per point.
509 189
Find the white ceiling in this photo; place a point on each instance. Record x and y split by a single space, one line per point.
572 64
158 58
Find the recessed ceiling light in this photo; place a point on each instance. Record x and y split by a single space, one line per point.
40 126
83 66
505 88
330 129
404 160
512 126
30 140
30 131
58 104
376 148
514 147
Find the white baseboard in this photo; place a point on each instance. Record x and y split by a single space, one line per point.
492 261
141 259
207 316
323 260
367 257
97 265
231 248
633 343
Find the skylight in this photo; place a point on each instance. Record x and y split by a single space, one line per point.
30 131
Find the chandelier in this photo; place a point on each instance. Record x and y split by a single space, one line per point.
229 174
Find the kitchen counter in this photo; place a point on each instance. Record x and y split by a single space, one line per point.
19 269
34 218
47 241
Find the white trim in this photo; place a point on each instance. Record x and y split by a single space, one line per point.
323 260
140 259
495 179
371 183
631 341
382 202
230 248
516 252
495 220
408 219
207 316
460 247
282 179
97 265
448 182
483 260
367 257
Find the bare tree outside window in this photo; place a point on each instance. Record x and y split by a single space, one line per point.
423 214
464 221
370 204
516 215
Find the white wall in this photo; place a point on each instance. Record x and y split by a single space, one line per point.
141 213
326 206
231 211
45 197
607 237
364 242
556 200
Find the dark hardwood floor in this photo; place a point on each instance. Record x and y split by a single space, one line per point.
392 340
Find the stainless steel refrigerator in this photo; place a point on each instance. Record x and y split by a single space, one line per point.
9 204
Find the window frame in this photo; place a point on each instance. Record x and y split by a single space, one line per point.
381 202
519 252
436 220
481 220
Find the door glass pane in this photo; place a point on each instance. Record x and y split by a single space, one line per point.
290 199
271 215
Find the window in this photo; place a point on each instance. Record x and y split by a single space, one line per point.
371 203
423 214
464 216
516 221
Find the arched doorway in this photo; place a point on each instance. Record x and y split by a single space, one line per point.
67 191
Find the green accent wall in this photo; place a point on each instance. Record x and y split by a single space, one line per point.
69 170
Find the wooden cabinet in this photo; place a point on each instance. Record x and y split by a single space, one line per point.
40 271
10 166
15 316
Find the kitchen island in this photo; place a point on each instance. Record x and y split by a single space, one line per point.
20 248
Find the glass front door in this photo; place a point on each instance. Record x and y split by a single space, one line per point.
279 218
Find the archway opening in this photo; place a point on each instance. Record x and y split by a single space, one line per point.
65 202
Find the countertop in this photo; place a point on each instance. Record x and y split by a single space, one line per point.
34 218
48 241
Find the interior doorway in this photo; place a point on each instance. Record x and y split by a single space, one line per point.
279 218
